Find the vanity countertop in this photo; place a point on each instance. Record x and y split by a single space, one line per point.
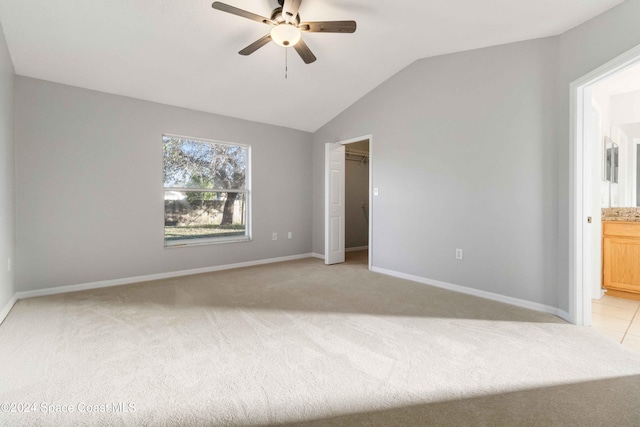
621 214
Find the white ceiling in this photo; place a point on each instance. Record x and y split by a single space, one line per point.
184 53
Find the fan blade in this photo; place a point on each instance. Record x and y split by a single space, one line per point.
255 45
290 9
239 12
305 53
329 27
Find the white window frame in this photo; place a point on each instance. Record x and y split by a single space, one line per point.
247 192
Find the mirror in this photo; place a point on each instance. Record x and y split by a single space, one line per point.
611 161
621 165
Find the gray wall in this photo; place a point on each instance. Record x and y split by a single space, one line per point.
464 144
7 194
480 141
89 176
356 230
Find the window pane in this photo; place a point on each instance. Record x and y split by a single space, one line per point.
191 163
203 214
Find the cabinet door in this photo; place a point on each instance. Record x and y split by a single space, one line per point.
621 263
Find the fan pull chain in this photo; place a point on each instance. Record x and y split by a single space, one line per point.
286 63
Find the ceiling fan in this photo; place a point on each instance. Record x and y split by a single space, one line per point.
287 28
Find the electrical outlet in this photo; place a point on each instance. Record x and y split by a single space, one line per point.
458 253
274 236
290 235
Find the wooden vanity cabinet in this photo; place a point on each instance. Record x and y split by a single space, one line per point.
621 258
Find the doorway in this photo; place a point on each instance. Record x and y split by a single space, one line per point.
615 117
585 149
348 200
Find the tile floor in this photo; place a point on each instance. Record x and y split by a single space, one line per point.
618 319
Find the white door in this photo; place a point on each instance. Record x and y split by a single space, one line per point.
334 204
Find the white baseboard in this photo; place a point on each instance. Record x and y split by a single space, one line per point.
160 276
359 248
561 314
478 293
7 308
125 281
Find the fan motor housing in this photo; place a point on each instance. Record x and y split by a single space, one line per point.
276 16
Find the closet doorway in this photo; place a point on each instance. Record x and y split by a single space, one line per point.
348 201
356 206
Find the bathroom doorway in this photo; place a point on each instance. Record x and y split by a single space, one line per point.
594 186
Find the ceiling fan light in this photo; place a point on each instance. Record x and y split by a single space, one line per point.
285 35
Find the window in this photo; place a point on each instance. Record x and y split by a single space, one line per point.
206 191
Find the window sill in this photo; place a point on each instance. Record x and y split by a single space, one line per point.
204 242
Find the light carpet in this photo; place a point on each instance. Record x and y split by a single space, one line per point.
304 343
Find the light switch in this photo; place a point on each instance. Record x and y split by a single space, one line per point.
375 191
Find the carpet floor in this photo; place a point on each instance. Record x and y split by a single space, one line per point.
301 343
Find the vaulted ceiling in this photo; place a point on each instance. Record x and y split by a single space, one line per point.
184 53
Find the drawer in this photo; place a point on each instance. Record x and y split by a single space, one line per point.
619 228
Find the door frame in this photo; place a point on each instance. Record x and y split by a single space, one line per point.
326 191
581 183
